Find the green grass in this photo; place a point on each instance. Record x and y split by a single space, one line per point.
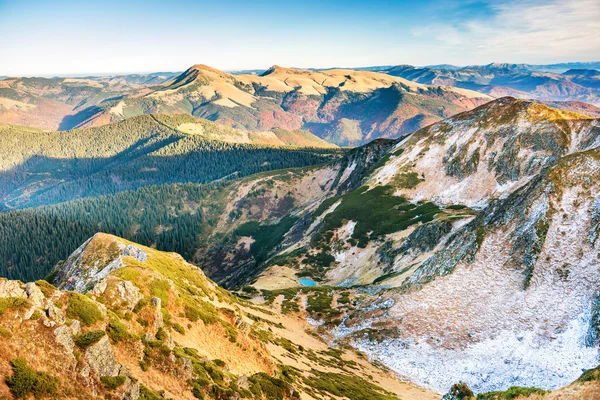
83 309
116 330
87 339
590 375
13 303
25 381
511 393
345 386
112 382
377 212
266 237
407 181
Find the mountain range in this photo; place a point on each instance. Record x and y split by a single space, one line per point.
211 235
341 106
517 80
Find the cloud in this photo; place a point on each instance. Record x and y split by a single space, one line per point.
526 30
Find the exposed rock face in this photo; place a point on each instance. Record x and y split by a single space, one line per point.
56 313
101 358
11 288
64 336
158 317
34 294
85 268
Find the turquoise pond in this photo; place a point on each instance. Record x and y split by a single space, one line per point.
307 282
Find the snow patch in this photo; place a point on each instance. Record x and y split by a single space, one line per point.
510 359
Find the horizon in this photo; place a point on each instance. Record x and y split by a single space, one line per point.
66 38
247 70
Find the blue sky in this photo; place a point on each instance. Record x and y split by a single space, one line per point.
86 37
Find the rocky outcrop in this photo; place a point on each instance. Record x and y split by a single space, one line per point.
87 267
100 358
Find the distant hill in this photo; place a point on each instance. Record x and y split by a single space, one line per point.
344 107
518 80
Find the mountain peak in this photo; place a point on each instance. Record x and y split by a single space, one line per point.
275 69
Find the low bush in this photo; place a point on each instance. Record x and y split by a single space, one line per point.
87 339
83 309
25 380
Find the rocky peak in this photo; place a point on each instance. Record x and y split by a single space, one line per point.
93 261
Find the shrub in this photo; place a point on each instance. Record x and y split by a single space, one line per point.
13 303
512 392
112 382
208 316
36 315
87 339
116 330
147 394
47 288
26 380
84 309
179 329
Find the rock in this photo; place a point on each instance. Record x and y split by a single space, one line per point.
65 337
188 368
75 327
11 289
101 358
132 390
56 313
35 294
48 323
129 293
243 382
135 252
148 337
158 318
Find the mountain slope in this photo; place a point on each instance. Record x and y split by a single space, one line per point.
39 167
429 253
152 326
63 103
341 106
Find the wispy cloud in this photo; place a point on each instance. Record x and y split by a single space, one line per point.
526 30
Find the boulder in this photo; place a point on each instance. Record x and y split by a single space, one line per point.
35 294
11 289
64 336
101 358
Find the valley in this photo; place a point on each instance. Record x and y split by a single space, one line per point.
300 234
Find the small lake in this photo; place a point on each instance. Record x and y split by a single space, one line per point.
307 282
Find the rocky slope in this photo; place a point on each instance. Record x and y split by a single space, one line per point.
341 106
126 321
470 234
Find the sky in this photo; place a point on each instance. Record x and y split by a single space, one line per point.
69 37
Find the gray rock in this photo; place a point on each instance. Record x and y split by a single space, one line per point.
56 313
158 318
129 293
35 294
65 337
101 358
243 382
11 289
132 390
75 327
